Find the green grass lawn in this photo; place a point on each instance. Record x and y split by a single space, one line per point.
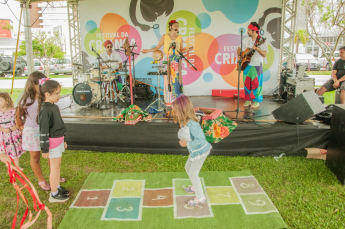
25 77
17 91
304 191
318 73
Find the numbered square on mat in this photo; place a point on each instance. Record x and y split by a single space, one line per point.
92 198
180 185
128 188
245 185
183 210
222 195
257 203
158 197
123 209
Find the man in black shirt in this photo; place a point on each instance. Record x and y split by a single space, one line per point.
337 78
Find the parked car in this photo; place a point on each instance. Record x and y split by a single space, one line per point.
63 66
51 65
307 60
324 62
7 63
38 66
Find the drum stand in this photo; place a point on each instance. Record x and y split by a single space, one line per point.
159 101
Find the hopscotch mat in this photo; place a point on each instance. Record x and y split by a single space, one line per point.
235 199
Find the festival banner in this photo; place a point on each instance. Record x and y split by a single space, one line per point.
211 26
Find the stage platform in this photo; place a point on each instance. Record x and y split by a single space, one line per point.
94 130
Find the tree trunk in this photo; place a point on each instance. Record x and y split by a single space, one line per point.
297 45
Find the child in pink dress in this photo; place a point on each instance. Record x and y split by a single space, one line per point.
10 137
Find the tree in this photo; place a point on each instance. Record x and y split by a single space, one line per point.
44 49
321 16
301 35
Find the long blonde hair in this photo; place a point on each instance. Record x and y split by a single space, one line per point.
183 110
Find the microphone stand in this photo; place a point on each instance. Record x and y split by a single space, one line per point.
238 110
183 57
100 76
133 53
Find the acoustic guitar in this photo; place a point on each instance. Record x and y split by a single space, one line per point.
248 53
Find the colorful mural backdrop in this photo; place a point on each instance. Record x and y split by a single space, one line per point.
211 26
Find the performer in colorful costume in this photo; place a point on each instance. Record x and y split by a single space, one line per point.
253 73
171 42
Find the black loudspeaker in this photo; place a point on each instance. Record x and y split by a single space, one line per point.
335 159
300 108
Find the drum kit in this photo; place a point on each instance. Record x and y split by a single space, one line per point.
93 88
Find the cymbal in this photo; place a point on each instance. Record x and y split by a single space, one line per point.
111 61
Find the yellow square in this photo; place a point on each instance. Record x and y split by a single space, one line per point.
222 195
128 188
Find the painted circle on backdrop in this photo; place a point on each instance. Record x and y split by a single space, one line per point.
133 38
222 56
205 20
189 75
269 57
208 77
92 40
109 28
189 24
91 26
199 42
266 74
236 11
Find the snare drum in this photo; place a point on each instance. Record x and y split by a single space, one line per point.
94 73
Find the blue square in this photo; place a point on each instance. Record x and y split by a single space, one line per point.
123 209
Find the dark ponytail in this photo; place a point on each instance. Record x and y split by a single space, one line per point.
48 86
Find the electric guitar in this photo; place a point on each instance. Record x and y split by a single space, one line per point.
248 53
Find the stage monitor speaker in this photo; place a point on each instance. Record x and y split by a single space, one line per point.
300 108
335 158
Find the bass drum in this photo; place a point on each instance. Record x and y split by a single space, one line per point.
86 94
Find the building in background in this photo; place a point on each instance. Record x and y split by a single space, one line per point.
52 18
8 39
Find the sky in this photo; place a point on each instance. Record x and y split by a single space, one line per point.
5 13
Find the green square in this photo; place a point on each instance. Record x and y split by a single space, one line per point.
128 188
257 204
222 195
180 185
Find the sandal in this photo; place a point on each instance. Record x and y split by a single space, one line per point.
44 185
189 190
62 180
196 202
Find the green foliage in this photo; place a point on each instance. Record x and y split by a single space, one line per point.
7 26
44 47
301 35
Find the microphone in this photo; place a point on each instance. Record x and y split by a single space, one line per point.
92 49
172 45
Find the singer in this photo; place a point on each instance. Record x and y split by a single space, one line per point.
171 42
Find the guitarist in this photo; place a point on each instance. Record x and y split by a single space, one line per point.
253 73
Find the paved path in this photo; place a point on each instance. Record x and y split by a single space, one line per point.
20 83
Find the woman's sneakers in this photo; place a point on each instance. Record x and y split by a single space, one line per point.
196 202
61 195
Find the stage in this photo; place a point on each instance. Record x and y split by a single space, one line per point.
256 136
